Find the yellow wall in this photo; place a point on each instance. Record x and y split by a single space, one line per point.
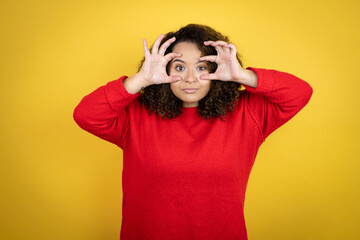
60 182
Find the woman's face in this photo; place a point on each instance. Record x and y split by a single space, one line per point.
191 88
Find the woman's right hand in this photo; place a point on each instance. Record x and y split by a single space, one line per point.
153 69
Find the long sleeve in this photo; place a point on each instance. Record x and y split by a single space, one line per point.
104 112
277 98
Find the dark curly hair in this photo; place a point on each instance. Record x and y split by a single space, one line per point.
159 99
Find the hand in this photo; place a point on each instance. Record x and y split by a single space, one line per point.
228 67
154 67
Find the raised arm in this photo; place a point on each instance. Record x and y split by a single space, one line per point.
277 98
104 112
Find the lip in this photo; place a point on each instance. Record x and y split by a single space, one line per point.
190 90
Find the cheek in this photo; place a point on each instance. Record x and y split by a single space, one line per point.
206 85
174 86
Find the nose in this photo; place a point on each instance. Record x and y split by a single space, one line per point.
190 77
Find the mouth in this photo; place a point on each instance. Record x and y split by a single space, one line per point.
190 90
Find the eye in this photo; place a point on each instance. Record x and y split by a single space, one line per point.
202 68
179 68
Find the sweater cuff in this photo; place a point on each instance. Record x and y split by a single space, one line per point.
265 81
117 95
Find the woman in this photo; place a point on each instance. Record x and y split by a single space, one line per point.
188 134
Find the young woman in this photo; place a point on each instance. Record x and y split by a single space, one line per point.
189 135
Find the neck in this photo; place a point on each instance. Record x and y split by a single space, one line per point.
189 105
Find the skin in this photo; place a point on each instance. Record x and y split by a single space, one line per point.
153 70
189 68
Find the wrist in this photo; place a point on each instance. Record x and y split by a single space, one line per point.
135 83
248 78
142 81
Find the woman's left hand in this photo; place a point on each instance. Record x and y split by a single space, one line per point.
228 67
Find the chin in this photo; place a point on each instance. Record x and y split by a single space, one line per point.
190 100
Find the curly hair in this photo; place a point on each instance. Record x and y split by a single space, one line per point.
159 99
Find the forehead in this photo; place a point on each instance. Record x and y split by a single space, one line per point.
187 49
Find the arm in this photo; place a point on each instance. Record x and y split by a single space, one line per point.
104 112
276 98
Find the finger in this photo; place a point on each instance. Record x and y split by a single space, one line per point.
172 55
226 49
217 43
166 45
146 49
210 76
208 42
210 58
219 49
173 78
157 44
233 49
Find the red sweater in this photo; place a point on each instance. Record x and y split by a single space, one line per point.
185 178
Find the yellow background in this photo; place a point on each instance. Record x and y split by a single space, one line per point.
60 182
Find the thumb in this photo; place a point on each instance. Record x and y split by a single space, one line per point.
170 79
210 76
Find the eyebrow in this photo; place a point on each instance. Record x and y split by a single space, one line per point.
179 60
